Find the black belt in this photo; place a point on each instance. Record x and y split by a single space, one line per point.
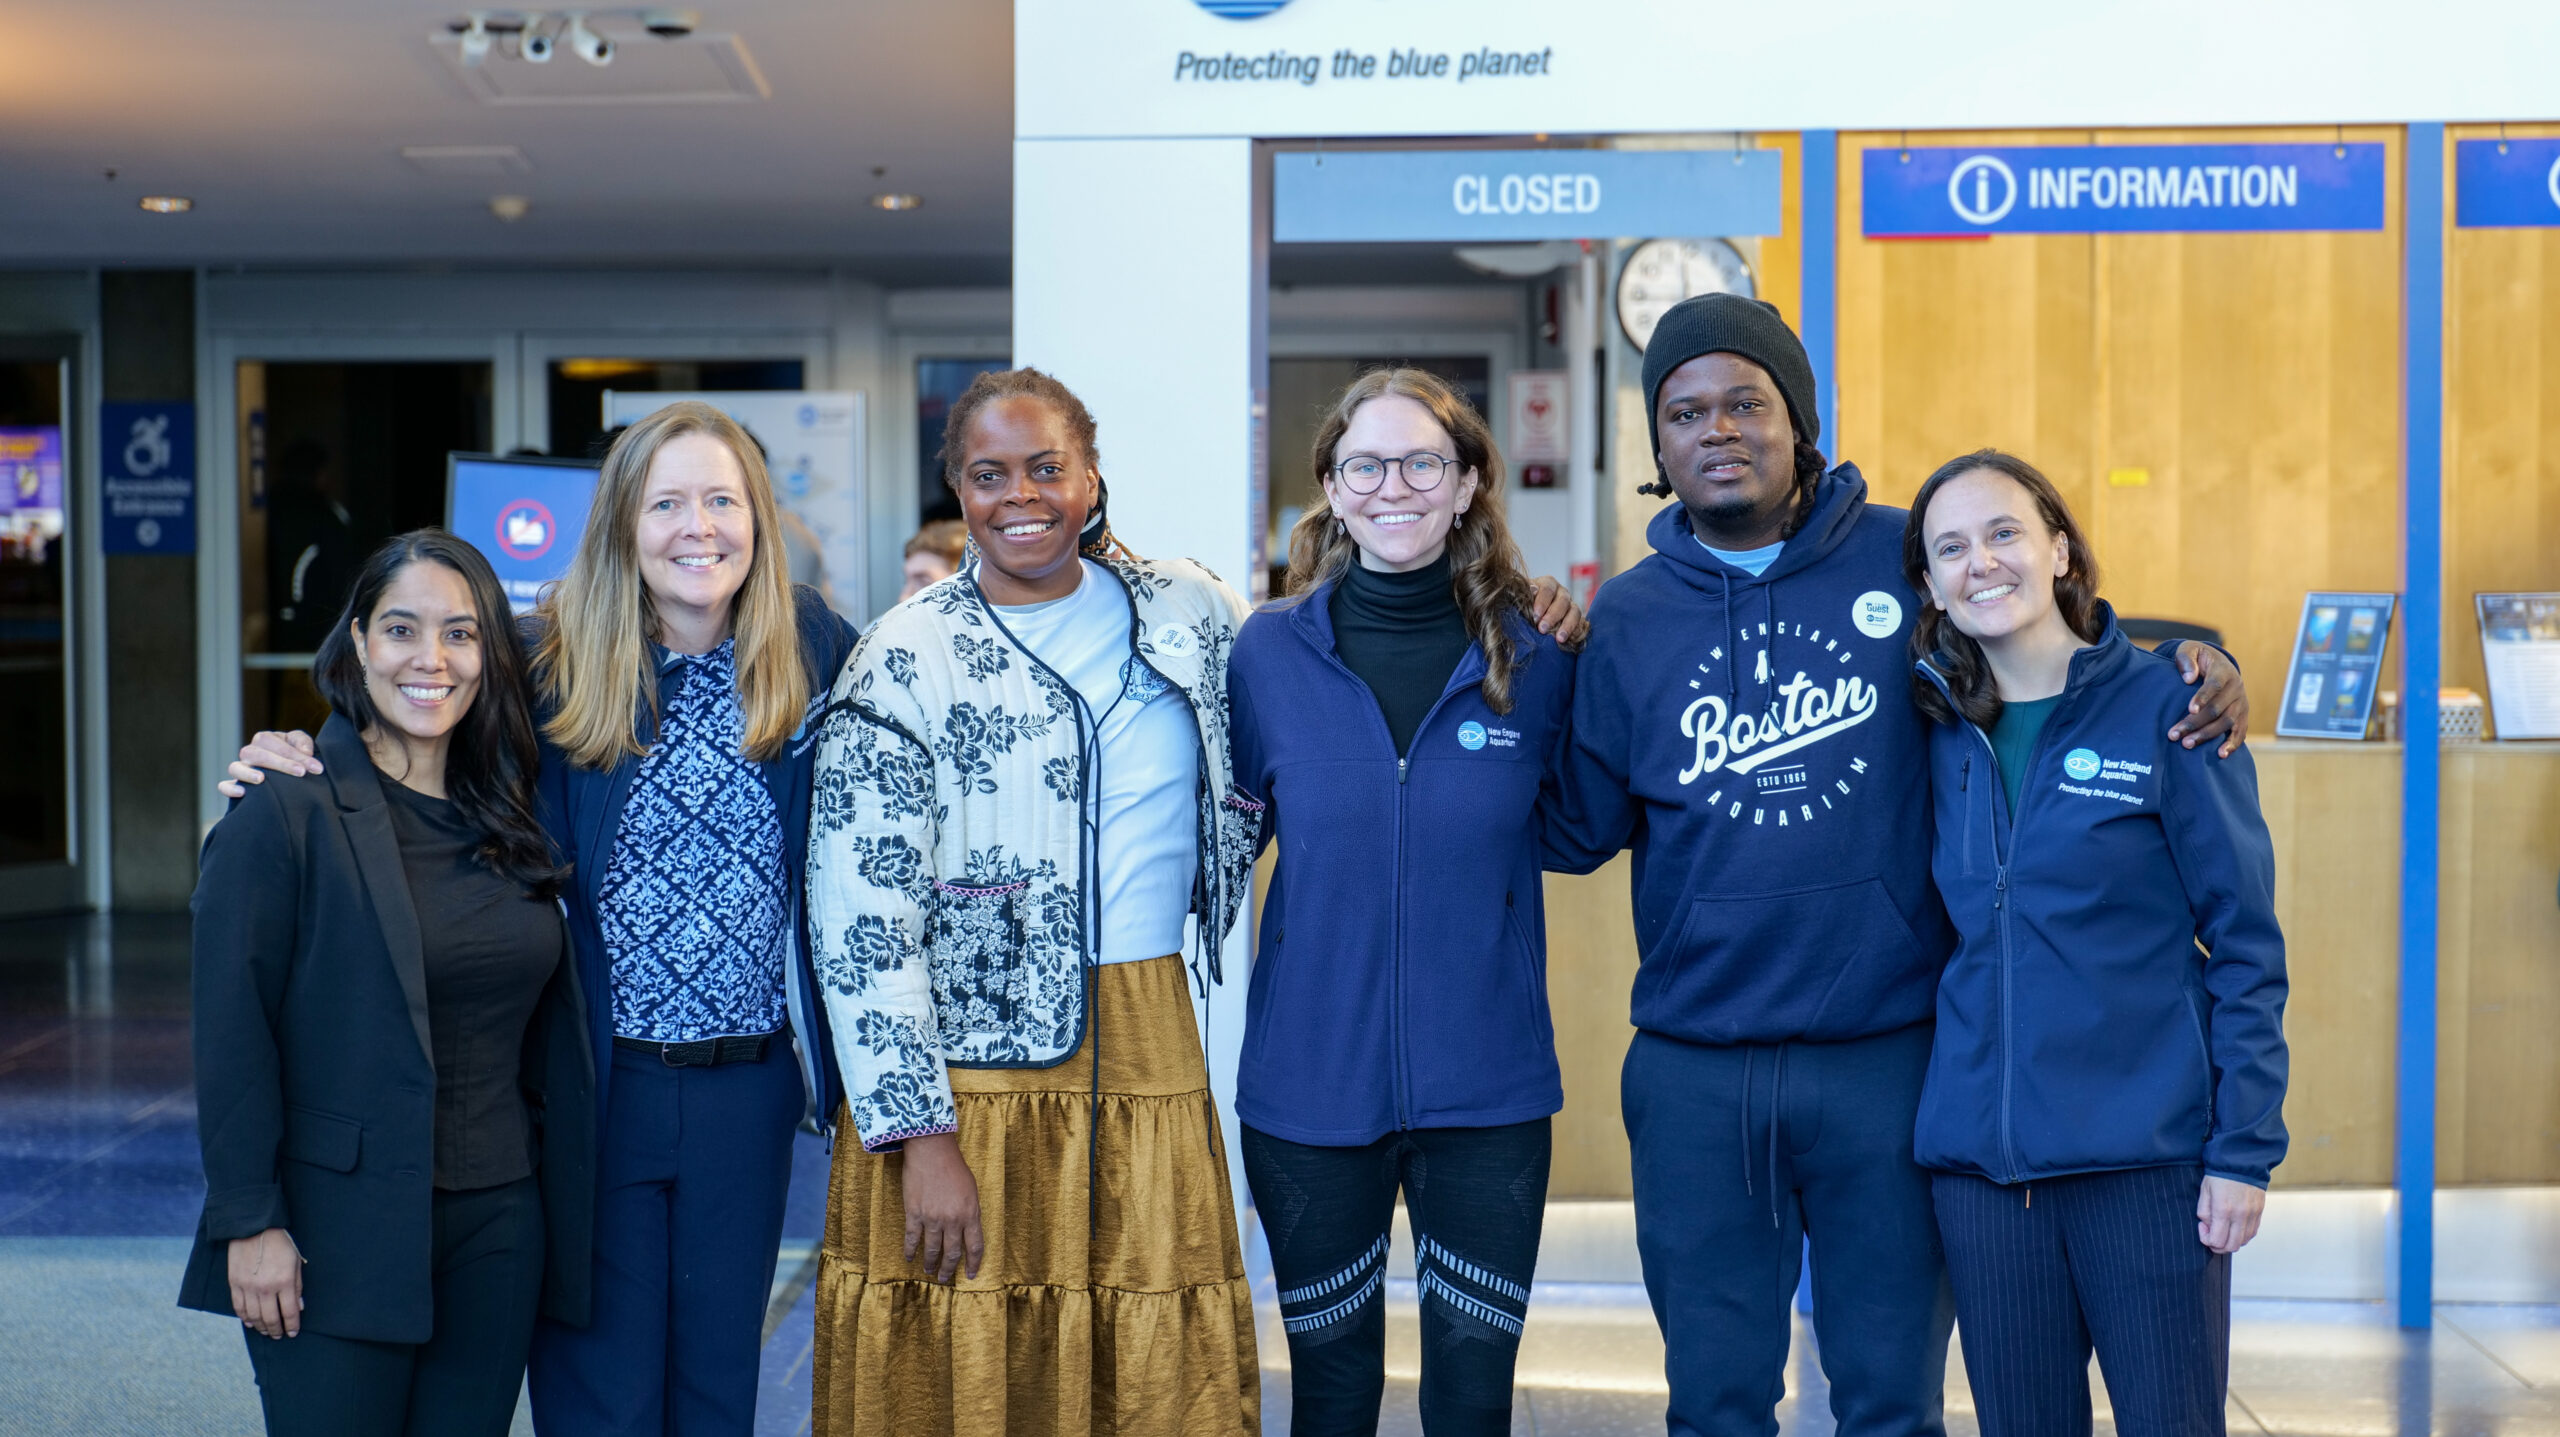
701 1052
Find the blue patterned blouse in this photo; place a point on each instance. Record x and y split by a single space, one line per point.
694 904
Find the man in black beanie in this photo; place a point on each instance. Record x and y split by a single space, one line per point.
1742 715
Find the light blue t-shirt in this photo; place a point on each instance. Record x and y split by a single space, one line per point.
1754 562
1147 764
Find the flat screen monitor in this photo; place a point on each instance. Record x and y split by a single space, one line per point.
526 514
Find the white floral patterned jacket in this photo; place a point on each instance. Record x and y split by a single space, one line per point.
950 870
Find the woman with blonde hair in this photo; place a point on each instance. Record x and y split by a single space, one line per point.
1399 715
676 669
1023 797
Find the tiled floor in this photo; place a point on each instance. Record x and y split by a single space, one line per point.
99 1187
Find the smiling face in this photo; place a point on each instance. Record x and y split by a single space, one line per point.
421 647
697 533
1026 489
1399 528
1992 556
1728 449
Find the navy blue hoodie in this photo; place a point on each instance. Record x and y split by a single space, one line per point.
1756 741
2081 1028
1400 981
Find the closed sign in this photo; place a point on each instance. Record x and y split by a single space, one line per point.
1461 196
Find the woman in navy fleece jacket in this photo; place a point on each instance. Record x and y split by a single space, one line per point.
1399 715
2105 1091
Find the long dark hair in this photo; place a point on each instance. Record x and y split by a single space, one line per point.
1937 641
1486 573
491 765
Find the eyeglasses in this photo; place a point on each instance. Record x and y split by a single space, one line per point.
1422 471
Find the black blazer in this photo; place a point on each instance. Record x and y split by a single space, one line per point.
315 1081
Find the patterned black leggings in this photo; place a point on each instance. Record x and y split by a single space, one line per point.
1477 1198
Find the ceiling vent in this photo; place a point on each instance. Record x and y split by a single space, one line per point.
468 162
697 67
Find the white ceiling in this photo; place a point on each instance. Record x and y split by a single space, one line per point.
284 121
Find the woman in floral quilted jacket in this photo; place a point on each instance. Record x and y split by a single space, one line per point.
1023 792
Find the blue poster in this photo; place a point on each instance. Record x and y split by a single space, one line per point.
148 497
526 515
2506 183
1464 196
2337 664
2121 189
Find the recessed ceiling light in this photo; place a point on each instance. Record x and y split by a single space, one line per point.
509 208
894 203
167 204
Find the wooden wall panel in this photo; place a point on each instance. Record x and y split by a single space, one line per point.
1591 974
2333 810
2502 418
2498 1067
2254 378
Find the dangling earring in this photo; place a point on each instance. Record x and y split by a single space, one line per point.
1460 521
1340 528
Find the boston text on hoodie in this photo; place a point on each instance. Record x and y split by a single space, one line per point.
2116 999
1754 738
1400 980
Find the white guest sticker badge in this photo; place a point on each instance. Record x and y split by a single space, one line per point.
1876 613
1173 639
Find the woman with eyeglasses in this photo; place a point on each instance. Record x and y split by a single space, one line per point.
1397 715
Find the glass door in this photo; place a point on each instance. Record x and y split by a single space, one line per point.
40 867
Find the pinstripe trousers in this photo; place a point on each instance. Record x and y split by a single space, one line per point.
2046 1271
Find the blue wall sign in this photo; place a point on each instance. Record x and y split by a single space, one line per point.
2506 183
149 493
1473 195
2121 189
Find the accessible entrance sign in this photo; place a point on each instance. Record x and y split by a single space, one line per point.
149 478
1463 196
2120 189
2504 184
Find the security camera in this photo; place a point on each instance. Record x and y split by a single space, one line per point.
475 38
535 46
591 47
670 24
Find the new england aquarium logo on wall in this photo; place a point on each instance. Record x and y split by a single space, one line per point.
1239 9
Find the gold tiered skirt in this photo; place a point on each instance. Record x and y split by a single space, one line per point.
1122 1314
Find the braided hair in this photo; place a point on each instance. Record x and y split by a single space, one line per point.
1096 541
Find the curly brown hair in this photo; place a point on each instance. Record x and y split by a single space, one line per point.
1934 637
1486 571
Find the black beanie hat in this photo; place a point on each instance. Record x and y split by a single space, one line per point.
1731 324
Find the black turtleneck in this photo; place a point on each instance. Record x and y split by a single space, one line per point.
1403 635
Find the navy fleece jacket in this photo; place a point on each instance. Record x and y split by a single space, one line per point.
1754 738
1400 981
2117 998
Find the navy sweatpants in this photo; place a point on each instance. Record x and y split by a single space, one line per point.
1741 1153
2045 1271
695 1164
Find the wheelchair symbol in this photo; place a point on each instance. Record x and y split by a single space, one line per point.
147 452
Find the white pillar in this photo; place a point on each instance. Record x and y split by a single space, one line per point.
1139 274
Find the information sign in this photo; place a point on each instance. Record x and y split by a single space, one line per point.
2505 184
1462 196
149 475
2337 660
2120 189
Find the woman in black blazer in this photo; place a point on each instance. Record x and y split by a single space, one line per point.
394 1091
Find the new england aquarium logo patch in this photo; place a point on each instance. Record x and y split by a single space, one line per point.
1471 735
1239 9
2081 764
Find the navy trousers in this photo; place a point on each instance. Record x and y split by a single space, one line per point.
1741 1154
693 1169
2045 1271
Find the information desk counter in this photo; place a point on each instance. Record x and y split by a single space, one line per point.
2334 811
